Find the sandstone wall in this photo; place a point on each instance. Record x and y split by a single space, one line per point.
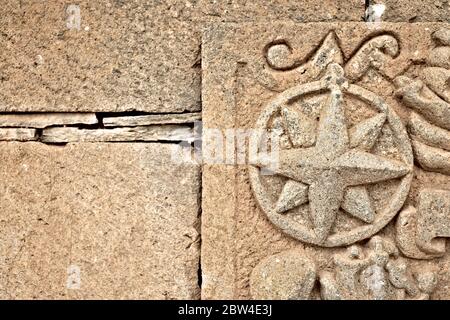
100 104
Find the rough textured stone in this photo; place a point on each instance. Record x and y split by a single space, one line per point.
432 159
285 276
97 221
421 231
376 273
428 94
123 55
354 182
341 178
133 121
17 134
147 133
42 120
424 131
414 10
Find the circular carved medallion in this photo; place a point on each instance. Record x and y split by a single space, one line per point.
344 166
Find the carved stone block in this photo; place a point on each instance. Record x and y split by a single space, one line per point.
333 115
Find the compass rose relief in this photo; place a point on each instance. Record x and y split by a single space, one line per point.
342 187
333 182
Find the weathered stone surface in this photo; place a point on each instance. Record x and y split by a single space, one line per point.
420 232
434 222
428 94
42 120
428 133
288 275
123 55
299 220
406 229
419 97
17 134
141 133
133 121
437 79
243 10
97 221
432 159
341 178
413 10
375 273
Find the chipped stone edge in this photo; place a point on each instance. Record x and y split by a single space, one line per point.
145 120
18 134
142 133
88 127
42 120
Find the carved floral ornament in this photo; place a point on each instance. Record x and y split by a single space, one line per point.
338 181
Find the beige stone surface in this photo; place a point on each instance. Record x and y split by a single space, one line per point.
123 55
339 181
288 275
421 231
351 201
97 221
42 120
130 134
145 120
17 134
414 10
427 93
376 272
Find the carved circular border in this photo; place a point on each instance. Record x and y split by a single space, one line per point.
294 228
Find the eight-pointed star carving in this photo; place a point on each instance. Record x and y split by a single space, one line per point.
333 173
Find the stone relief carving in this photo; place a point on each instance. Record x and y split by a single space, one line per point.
328 167
372 55
280 56
286 68
338 183
420 232
429 97
289 275
375 272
